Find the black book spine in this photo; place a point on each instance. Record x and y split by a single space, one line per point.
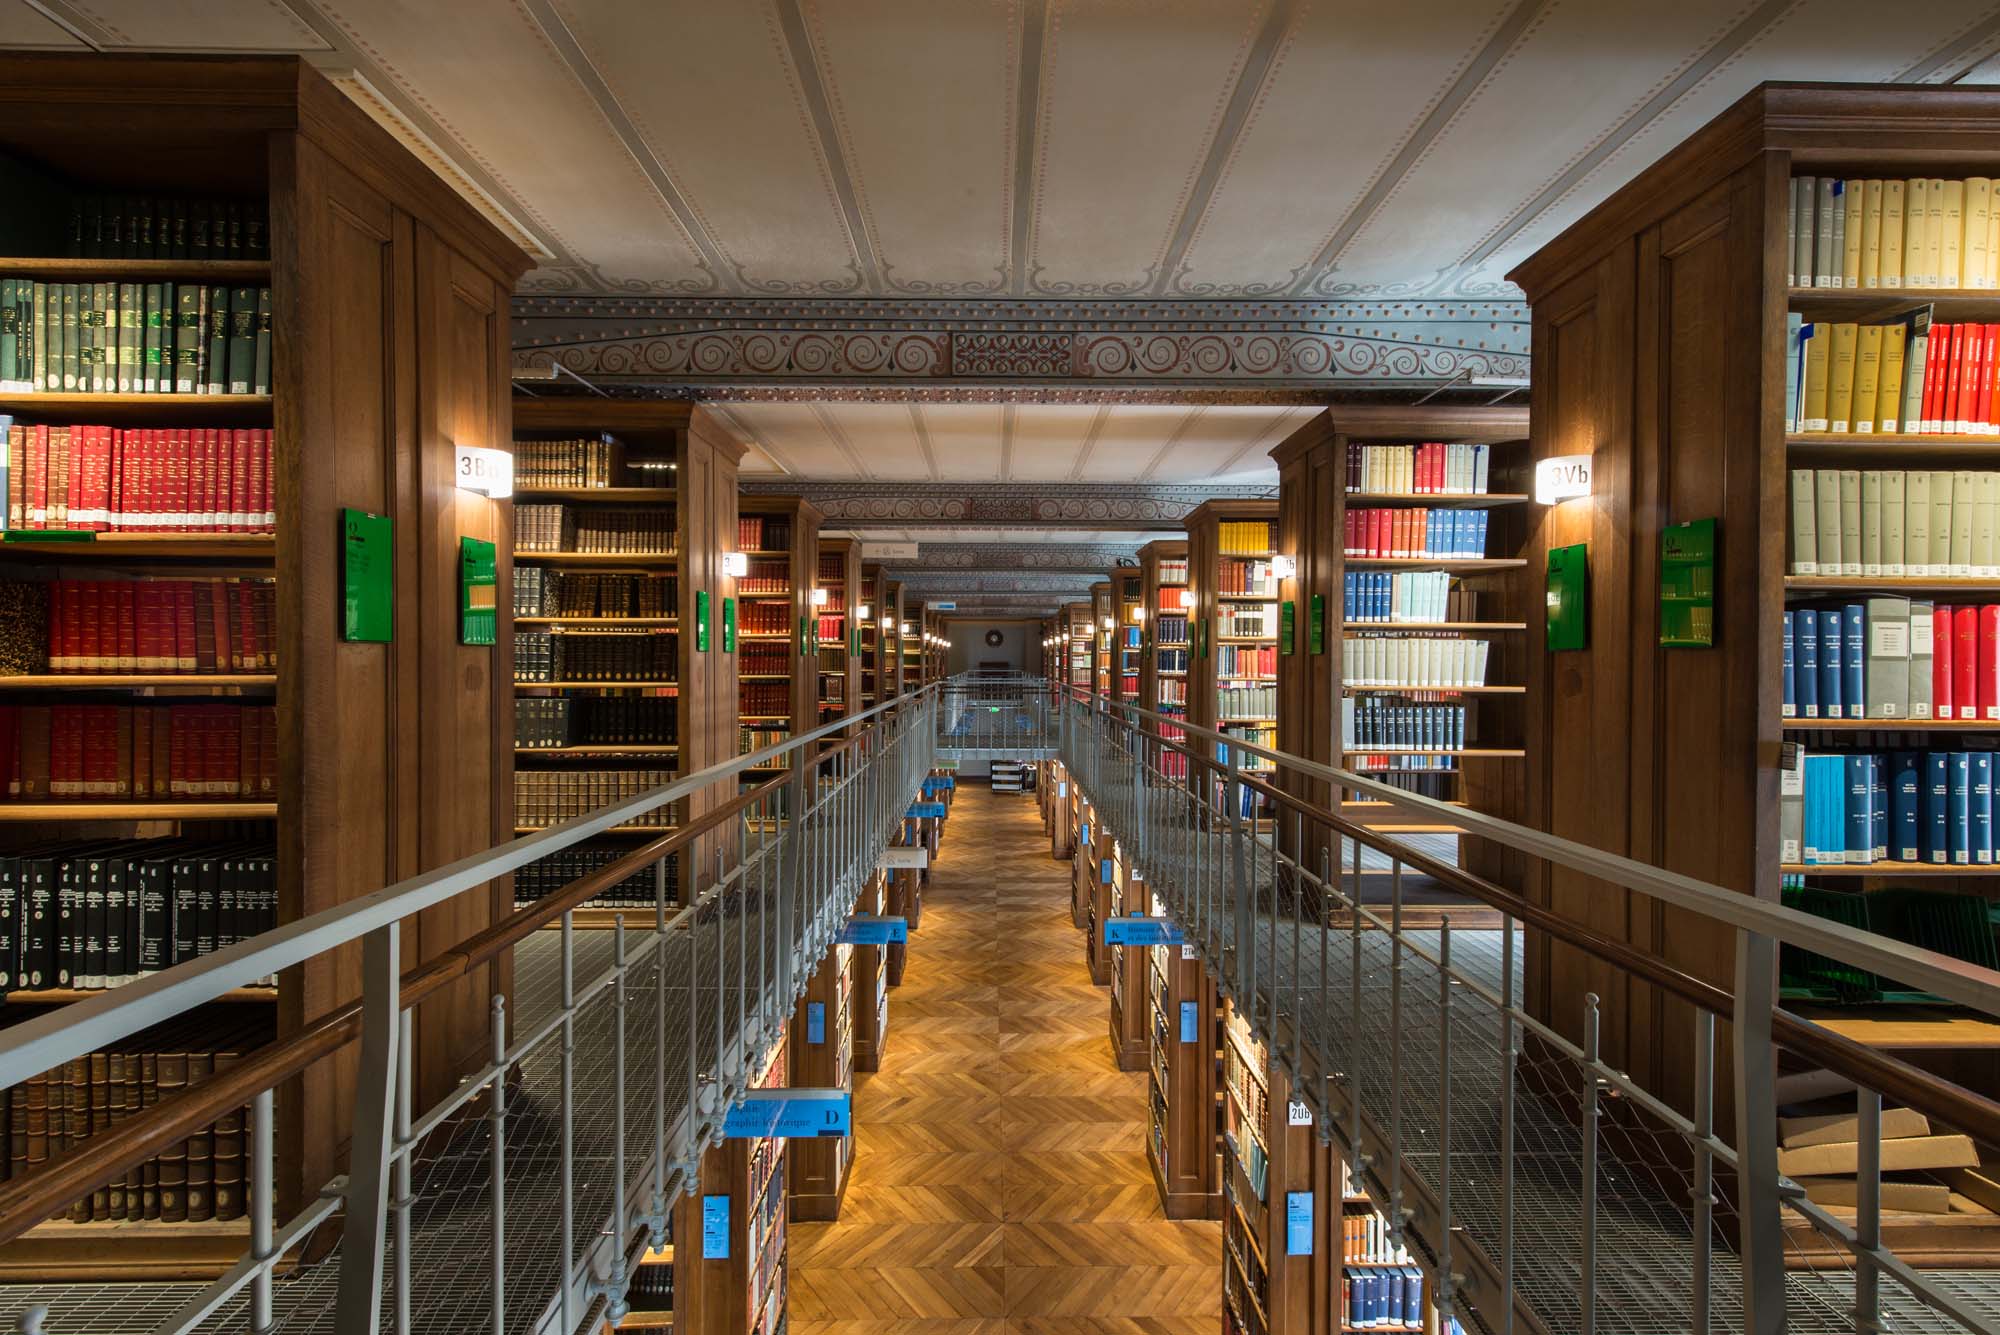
215 344
90 967
69 922
204 905
182 908
260 382
117 967
11 922
38 953
227 882
156 937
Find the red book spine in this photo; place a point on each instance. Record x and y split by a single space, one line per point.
240 503
128 624
246 626
209 479
100 477
184 624
116 519
268 510
1987 422
147 649
1942 676
1965 660
1347 522
218 506
148 506
58 627
1989 661
1933 358
229 751
89 649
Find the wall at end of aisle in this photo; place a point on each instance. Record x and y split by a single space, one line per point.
1018 650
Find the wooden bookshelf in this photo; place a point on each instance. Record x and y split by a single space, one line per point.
1128 598
1231 635
1131 1009
1091 887
839 628
1078 651
869 1008
1164 650
1184 1133
821 1040
890 616
1360 1252
641 447
389 296
746 1291
1103 625
1682 429
915 646
870 620
782 535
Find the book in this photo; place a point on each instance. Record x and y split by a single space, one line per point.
1898 1155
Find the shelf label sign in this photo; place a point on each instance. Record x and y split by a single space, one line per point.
1137 931
1317 629
873 930
1298 1113
367 564
925 811
789 1114
715 1228
1298 1223
895 859
728 625
1104 871
1288 618
701 621
1561 478
485 471
478 591
1190 1022
816 1022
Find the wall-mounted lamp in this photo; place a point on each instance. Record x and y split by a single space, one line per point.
866 611
1138 614
736 564
819 597
1284 567
906 628
1108 625
1562 478
488 472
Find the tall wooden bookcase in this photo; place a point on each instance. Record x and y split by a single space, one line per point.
870 1006
821 1039
1660 351
670 459
1128 597
914 645
1163 658
890 616
1234 624
746 1290
389 345
1103 619
1079 642
777 662
871 617
1184 1055
1125 894
838 630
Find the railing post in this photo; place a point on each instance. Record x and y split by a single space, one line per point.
1587 1279
1761 1245
363 1238
262 1180
1239 884
1868 1216
496 1116
615 1309
1703 1194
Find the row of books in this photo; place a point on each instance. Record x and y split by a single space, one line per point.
763 533
546 875
55 1113
133 227
830 629
763 659
1173 570
1443 534
1170 630
1414 660
751 740
1246 537
1914 377
1171 660
767 618
540 591
1418 470
572 528
139 479
1246 702
1385 1298
1365 1239
581 462
1426 776
133 338
1895 523
544 797
1384 723
1245 577
1172 690
155 625
1243 619
765 577
1246 660
1128 637
1857 808
765 698
1381 595
624 719
1891 658
1921 232
553 655
104 913
182 753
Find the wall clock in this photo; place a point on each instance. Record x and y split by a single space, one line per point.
994 639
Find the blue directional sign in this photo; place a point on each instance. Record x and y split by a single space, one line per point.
1190 1022
815 1022
925 810
789 1114
873 930
1298 1223
1104 871
715 1228
1141 932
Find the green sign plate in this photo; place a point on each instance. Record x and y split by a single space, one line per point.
1317 629
728 625
1288 619
478 591
701 621
367 568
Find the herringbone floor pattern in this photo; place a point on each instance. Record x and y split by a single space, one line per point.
1000 1180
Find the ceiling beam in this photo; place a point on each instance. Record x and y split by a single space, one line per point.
1150 507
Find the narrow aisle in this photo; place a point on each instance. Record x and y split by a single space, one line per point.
1000 1182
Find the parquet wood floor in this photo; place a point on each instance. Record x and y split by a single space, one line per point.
1000 1181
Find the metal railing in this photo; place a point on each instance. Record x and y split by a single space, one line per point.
520 1201
999 715
1546 1188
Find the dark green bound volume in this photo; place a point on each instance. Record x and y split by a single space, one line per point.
243 340
155 336
10 338
215 339
48 373
131 321
72 333
187 337
260 377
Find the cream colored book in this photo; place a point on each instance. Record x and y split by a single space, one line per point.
1892 523
1889 392
1993 244
1871 523
1889 266
1867 378
1852 194
1951 233
1916 215
1977 258
1871 233
1826 521
1850 521
1813 397
1933 266
1916 524
1840 378
1985 523
1943 484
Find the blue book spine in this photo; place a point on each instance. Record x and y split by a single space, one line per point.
1906 807
1854 661
1961 808
1937 806
1479 532
1809 844
1878 807
1806 624
1982 807
1860 841
1413 1296
1791 705
1357 1294
1348 611
1829 665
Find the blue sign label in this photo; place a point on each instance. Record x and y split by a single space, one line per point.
815 1022
926 811
1104 871
789 1114
1298 1223
870 930
1140 932
1190 1022
1086 832
715 1228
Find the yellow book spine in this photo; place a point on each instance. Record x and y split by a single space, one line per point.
1840 378
1976 259
1916 209
1889 392
1890 266
1933 266
1851 197
1951 234
1867 377
1815 396
1871 233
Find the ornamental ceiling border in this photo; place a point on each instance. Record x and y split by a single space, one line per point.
946 558
1042 504
1307 344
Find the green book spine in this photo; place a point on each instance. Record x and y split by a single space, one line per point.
242 340
199 231
131 318
103 336
10 335
39 302
72 333
215 343
260 381
85 293
150 338
142 228
177 243
187 337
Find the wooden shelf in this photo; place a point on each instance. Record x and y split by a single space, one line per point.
63 996
217 272
1905 1028
135 811
763 597
257 547
123 409
1883 868
646 560
763 676
1894 445
1890 725
1433 625
637 749
1461 565
624 495
153 1250
1480 753
1445 501
595 685
1357 689
1861 304
764 635
647 622
1906 584
78 681
615 829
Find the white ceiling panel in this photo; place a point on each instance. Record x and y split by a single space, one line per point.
885 436
1132 438
966 439
197 25
1049 438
